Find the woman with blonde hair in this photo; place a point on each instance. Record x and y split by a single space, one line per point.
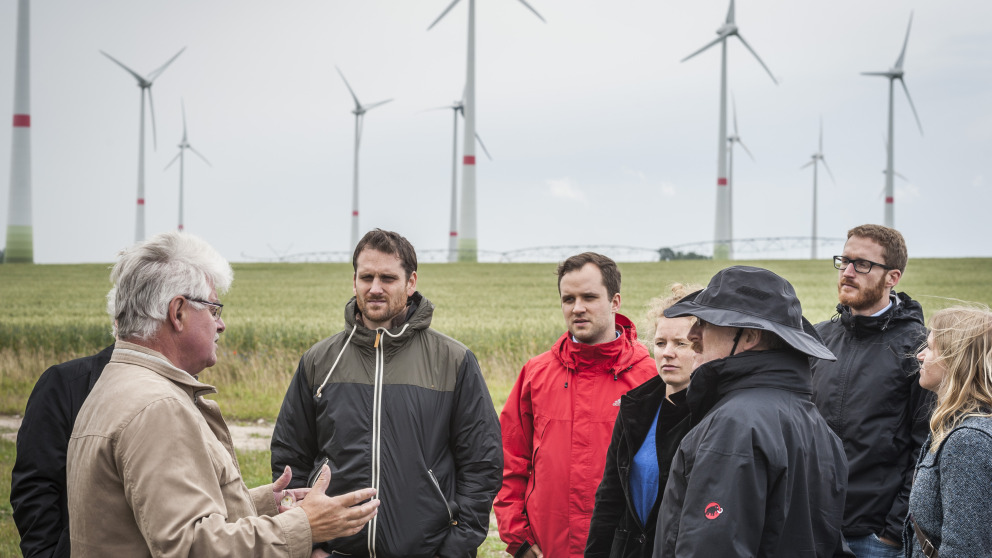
649 426
952 491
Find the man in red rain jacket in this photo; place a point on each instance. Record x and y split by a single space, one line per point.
559 417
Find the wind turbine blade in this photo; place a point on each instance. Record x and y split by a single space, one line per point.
733 100
746 150
358 105
373 105
156 73
883 74
174 159
807 164
905 42
708 45
128 70
760 61
200 155
484 150
730 12
899 175
183 104
151 110
910 99
444 13
531 8
821 137
828 170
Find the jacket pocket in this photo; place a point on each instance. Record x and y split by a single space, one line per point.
452 519
312 479
620 537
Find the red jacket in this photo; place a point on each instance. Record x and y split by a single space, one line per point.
556 426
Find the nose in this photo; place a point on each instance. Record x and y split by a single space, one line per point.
848 270
376 286
578 307
669 350
221 326
695 334
920 356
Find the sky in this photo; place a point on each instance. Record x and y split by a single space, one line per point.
599 135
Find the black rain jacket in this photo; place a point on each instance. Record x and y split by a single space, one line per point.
872 399
405 411
37 482
760 474
616 530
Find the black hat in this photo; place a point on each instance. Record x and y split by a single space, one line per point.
753 298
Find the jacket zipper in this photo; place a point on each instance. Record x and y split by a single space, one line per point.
316 474
451 518
380 361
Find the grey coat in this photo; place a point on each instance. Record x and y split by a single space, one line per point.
951 494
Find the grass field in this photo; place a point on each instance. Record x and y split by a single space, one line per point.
505 313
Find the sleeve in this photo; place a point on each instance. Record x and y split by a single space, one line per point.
726 498
37 486
965 477
517 424
918 409
176 492
610 502
478 455
294 439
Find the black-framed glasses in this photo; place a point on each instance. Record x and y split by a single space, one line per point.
861 266
215 308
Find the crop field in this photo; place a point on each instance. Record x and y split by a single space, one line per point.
505 313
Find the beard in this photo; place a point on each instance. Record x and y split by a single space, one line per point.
864 297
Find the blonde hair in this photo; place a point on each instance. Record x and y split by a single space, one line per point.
962 343
657 307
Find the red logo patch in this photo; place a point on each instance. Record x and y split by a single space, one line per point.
713 510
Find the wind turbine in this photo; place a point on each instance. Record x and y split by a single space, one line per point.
20 231
735 138
818 156
723 234
895 73
145 83
183 146
468 239
457 107
359 113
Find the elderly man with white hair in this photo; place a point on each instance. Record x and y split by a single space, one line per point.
151 468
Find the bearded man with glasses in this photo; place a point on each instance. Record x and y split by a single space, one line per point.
870 395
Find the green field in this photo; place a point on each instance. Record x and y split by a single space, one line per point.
505 313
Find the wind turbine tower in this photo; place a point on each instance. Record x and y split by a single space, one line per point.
895 73
468 238
723 234
817 157
732 139
359 113
183 146
145 83
20 233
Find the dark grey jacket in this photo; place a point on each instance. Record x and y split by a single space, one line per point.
405 411
952 493
872 399
760 475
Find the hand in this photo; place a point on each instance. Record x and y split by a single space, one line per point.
319 553
534 552
340 516
279 490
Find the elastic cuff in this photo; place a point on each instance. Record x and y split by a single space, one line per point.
524 547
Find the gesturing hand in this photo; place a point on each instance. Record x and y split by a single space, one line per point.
340 516
280 493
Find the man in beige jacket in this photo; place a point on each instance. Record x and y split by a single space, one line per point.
151 468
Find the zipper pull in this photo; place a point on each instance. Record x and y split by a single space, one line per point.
378 335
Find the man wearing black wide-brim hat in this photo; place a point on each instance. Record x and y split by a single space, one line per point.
760 473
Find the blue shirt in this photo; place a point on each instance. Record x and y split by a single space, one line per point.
644 473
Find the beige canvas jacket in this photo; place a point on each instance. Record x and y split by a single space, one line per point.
152 472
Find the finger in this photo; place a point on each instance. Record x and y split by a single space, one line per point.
363 494
283 481
323 480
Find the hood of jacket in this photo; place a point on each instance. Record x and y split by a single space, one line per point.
785 370
903 309
615 357
419 312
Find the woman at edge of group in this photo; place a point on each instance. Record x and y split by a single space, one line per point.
623 521
951 495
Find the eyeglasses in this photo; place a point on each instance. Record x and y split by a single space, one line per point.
861 266
215 308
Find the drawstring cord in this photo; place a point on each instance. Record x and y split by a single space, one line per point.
345 346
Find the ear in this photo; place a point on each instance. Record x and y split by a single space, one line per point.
354 284
750 340
177 307
892 277
411 284
615 303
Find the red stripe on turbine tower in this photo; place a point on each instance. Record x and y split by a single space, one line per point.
141 201
354 213
453 233
22 120
469 159
889 200
721 181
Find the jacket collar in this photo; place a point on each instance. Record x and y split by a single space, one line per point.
419 312
613 356
903 309
139 355
783 370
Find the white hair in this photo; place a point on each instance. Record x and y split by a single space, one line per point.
149 274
